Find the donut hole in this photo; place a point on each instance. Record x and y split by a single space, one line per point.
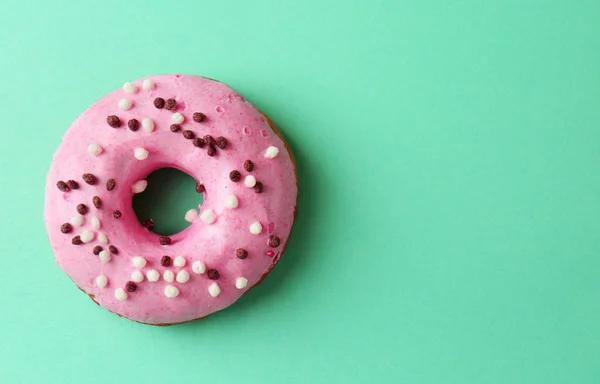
169 195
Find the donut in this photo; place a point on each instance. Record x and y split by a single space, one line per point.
200 126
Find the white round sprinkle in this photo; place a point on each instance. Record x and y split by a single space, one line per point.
147 85
177 118
169 276
191 215
77 220
120 294
87 236
101 281
208 216
94 149
179 262
130 88
171 291
102 238
104 256
198 267
271 152
137 276
241 282
148 124
231 202
125 104
153 275
256 228
250 181
140 153
139 186
214 290
183 276
96 222
138 262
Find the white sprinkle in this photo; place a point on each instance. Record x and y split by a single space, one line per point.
148 124
271 152
94 149
104 256
77 220
231 201
138 262
256 228
214 290
179 261
130 88
250 181
241 282
137 276
198 267
169 276
140 153
147 85
102 238
125 104
101 281
120 294
139 186
153 275
177 118
96 222
171 291
183 276
191 215
208 216
87 236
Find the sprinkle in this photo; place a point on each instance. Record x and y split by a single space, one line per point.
270 253
130 286
183 276
199 117
66 228
159 103
177 118
179 261
148 224
139 186
165 261
147 85
191 215
89 178
248 165
171 292
117 214
231 201
274 241
175 128
211 151
259 187
208 139
198 267
235 176
137 276
198 142
213 274
241 253
113 249
76 240
120 294
148 124
200 187
208 216
73 184
214 290
97 249
77 220
241 282
171 104
152 275
96 222
97 202
111 184
250 181
104 256
271 152
87 236
164 240
188 134
125 104
169 276
82 209
133 124
94 149
221 142
113 121
102 238
140 153
256 228
130 88
138 262
62 186
101 281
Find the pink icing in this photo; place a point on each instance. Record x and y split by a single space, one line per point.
214 244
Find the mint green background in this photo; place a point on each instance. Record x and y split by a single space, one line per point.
449 159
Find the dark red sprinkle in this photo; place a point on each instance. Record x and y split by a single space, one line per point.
258 187
113 249
97 202
62 186
159 103
130 286
208 139
198 142
111 184
164 240
148 224
165 261
198 117
97 249
66 228
82 209
211 151
77 240
188 134
221 142
73 184
175 127
235 176
117 214
213 274
248 165
89 178
171 104
274 241
113 121
241 253
200 188
133 124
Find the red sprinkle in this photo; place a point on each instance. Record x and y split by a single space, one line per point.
200 188
270 253
113 249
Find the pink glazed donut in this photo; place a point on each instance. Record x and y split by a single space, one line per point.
199 126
